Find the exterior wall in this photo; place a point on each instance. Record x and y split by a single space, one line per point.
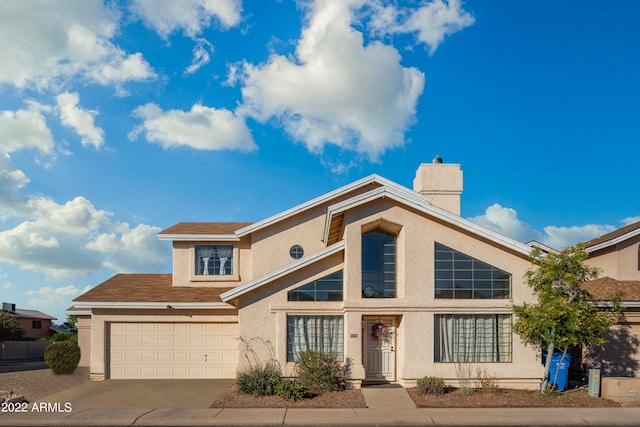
263 312
99 329
184 264
30 332
83 325
620 261
620 355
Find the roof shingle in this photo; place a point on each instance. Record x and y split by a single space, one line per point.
205 228
614 234
604 288
148 288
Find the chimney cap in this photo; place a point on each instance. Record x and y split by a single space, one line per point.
437 159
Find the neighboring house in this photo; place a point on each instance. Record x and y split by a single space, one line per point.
617 254
35 324
392 280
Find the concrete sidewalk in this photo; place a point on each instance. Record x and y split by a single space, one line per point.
387 407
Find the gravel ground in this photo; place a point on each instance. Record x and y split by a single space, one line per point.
35 385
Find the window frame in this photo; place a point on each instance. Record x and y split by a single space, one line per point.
311 290
36 324
320 341
377 280
468 278
501 351
193 269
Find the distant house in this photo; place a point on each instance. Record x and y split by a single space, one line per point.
617 254
34 323
392 280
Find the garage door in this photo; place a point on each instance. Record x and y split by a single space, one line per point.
172 350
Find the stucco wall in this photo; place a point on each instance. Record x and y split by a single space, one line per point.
619 262
263 313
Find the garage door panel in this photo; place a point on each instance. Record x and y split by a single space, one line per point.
166 350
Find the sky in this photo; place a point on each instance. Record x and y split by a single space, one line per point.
119 119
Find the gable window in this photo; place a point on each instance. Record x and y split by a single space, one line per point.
473 338
214 260
36 324
459 276
327 288
320 333
378 264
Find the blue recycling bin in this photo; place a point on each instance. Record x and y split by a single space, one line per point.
561 365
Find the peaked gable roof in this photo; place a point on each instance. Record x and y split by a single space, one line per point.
613 238
371 180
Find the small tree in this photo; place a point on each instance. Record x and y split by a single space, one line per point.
9 327
565 314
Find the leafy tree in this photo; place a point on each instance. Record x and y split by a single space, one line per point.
565 314
72 319
9 327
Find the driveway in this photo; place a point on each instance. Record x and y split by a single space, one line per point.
185 394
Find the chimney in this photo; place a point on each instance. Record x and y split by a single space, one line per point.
441 182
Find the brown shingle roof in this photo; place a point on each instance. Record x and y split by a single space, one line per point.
615 233
604 288
205 228
148 288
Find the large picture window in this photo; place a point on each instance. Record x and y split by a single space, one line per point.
214 260
473 338
459 276
321 333
327 288
378 264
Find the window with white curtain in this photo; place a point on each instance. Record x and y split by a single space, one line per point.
320 333
214 260
473 338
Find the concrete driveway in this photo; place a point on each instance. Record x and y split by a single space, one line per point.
185 394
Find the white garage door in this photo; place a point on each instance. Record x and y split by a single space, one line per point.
172 350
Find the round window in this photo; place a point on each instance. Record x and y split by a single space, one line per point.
296 252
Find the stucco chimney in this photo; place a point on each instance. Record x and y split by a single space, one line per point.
441 182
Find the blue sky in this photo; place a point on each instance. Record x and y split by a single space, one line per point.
119 119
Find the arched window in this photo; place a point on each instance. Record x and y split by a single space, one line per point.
378 264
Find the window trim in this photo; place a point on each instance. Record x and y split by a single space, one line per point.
382 230
235 274
504 355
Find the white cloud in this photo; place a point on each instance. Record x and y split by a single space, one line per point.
82 121
560 237
50 297
631 220
24 129
336 90
201 55
432 21
505 221
190 16
44 43
202 128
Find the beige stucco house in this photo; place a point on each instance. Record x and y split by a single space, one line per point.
393 280
617 255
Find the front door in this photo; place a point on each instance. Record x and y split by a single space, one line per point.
379 349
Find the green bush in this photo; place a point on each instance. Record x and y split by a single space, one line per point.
259 380
63 336
290 390
62 357
319 372
431 385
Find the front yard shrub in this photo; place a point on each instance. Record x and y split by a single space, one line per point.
320 372
431 385
290 390
62 357
259 380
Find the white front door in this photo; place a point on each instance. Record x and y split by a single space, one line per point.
379 349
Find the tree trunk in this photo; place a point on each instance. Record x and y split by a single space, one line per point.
547 365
